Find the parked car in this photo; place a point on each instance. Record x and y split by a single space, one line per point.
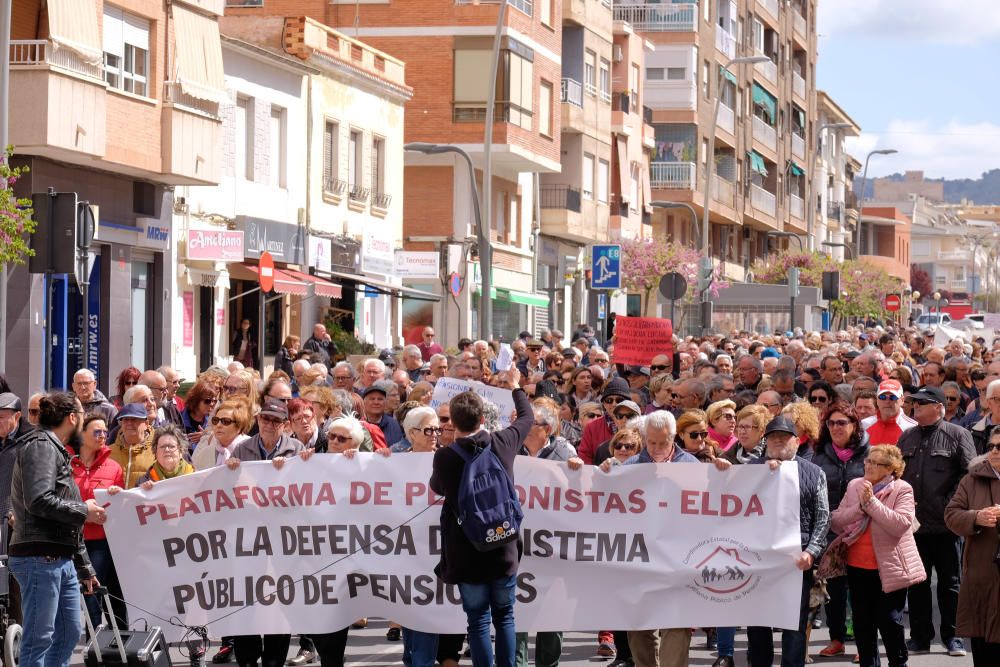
969 322
933 319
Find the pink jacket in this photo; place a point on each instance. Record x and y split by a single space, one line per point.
899 563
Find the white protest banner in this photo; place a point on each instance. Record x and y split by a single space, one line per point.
318 544
505 360
446 388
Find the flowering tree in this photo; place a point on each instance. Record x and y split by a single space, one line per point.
646 261
920 280
15 215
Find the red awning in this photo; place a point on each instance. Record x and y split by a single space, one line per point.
323 287
283 282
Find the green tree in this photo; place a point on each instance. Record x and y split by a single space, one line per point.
15 215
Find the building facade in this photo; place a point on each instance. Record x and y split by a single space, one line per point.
835 213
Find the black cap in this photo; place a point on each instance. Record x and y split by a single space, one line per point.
524 334
617 387
374 388
274 407
780 424
933 394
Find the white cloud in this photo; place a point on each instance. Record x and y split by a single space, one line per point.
962 22
954 150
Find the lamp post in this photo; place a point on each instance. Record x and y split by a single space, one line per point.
810 189
793 277
680 204
482 238
861 200
706 261
847 248
788 235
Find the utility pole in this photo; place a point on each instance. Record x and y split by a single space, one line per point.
5 10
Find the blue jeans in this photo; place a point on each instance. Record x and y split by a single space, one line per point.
104 568
50 600
483 603
419 648
726 638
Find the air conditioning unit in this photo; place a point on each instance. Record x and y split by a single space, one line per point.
616 53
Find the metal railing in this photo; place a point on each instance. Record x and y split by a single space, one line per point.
679 17
955 255
672 175
606 96
768 69
572 92
726 119
334 186
173 94
798 146
762 200
359 193
798 85
36 52
470 112
725 42
381 200
590 89
765 134
796 207
723 191
834 210
559 197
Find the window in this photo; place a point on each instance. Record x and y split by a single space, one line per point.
758 36
378 165
126 51
603 180
244 138
471 87
276 148
545 108
517 88
588 176
331 167
590 73
545 11
633 202
705 79
676 73
654 74
355 150
959 273
940 279
633 84
605 80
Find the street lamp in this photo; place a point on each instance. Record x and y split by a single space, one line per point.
787 235
793 277
680 204
482 237
847 248
810 189
861 200
706 262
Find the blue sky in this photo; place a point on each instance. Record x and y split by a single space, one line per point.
920 76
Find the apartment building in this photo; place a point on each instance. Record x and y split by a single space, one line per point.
886 239
118 102
762 154
836 207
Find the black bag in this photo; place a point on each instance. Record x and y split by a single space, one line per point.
111 647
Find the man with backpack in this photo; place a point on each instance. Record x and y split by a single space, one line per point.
481 542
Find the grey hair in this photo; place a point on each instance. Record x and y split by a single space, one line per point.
343 400
723 356
844 392
353 426
659 419
437 357
377 363
955 361
416 416
992 388
697 387
411 351
548 416
130 394
300 364
754 361
85 371
951 385
344 364
716 382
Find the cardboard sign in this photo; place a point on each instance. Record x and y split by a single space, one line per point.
639 339
505 360
446 388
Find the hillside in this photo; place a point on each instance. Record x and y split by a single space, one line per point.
983 190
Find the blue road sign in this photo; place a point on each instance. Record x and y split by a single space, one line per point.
606 267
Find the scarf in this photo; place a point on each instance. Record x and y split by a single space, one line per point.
858 528
843 453
157 473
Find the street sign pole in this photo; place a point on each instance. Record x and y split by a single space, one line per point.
265 276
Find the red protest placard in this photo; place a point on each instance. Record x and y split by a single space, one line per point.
639 339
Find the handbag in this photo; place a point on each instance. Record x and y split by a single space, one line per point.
833 562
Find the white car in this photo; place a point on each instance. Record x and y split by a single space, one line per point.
969 322
933 320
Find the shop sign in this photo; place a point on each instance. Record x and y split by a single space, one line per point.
417 264
219 245
153 233
377 252
286 243
319 253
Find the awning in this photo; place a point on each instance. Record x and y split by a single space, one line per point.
647 192
322 287
764 99
757 163
73 25
729 75
624 177
796 169
381 286
205 278
538 300
198 53
283 283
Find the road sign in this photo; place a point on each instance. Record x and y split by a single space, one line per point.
892 302
265 271
455 284
673 286
606 267
602 306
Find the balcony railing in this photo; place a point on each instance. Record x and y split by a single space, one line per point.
28 52
671 175
762 200
572 92
470 112
381 200
658 17
560 197
725 42
173 94
768 69
723 191
765 134
834 210
334 186
771 6
621 102
726 120
590 89
359 194
799 24
954 255
798 85
798 146
796 207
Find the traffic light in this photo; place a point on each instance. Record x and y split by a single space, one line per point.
55 237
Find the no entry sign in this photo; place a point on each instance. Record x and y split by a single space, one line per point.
265 271
892 302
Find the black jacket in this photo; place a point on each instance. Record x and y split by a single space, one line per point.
937 457
839 473
460 561
48 512
325 349
283 361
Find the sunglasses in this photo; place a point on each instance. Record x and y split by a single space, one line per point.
838 422
612 399
433 430
590 415
225 421
210 401
993 447
727 416
624 415
819 399
951 399
444 420
658 367
232 390
342 439
34 412
633 445
888 397
698 435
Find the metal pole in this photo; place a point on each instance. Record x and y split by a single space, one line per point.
861 209
261 325
51 194
5 10
485 249
705 264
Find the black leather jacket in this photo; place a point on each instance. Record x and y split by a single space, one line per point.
46 501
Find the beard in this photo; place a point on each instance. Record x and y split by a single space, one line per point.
75 441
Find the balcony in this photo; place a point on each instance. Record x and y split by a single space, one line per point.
359 194
65 116
765 134
572 92
381 200
799 24
589 14
723 191
566 215
648 136
834 210
762 200
647 116
771 6
798 146
671 175
725 42
192 131
798 85
768 69
796 207
726 119
658 17
954 256
622 102
560 196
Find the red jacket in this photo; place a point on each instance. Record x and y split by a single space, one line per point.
597 432
103 473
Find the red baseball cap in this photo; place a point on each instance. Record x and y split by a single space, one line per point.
891 387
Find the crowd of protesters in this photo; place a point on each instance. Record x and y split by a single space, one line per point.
894 439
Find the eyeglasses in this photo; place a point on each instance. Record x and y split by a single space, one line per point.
342 439
745 427
225 421
435 430
232 390
623 415
698 435
993 447
819 399
630 445
210 401
951 399
345 378
838 422
658 367
429 335
590 415
34 412
888 397
271 420
168 448
608 400
876 464
728 416
279 398
100 433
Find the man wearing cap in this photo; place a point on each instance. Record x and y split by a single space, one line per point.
638 379
889 422
131 447
937 455
374 402
601 430
814 520
532 361
11 429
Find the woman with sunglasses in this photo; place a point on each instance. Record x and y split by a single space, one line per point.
821 395
199 403
840 452
692 436
625 444
722 423
600 430
127 379
229 424
622 414
973 513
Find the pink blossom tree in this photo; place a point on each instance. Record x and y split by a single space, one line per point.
646 261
